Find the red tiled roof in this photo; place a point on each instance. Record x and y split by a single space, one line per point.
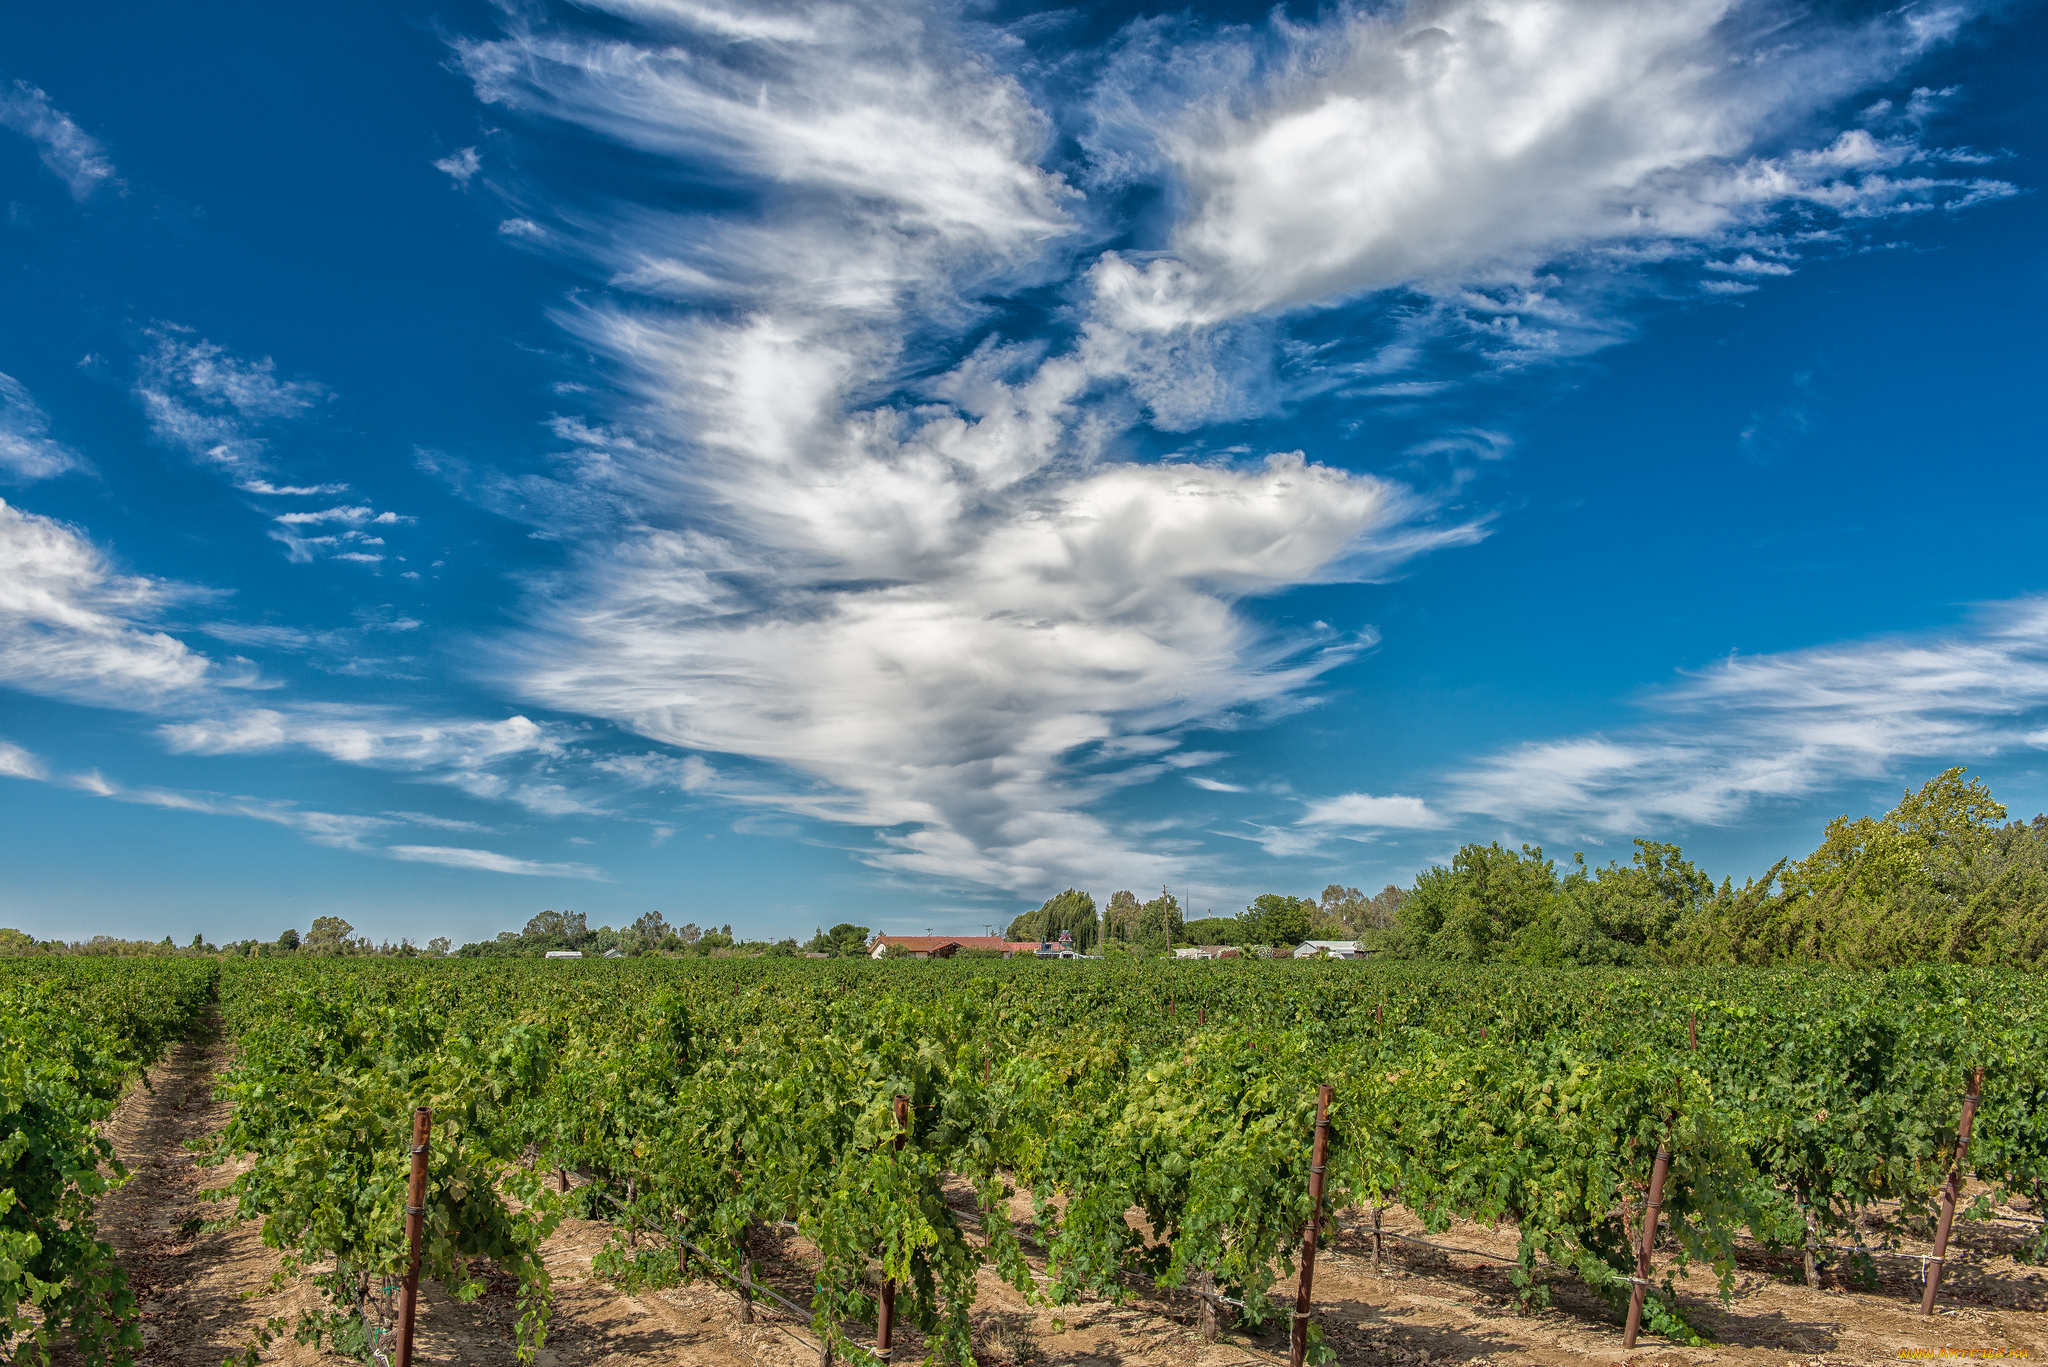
924 944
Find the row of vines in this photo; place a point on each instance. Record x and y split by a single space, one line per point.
704 1099
73 1035
700 1100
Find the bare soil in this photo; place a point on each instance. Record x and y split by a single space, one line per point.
205 1294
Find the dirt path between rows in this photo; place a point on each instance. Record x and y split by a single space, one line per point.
204 1293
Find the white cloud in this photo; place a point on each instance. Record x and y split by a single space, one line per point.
333 829
490 862
1761 728
940 593
688 772
347 544
264 486
439 823
1481 144
380 737
1393 812
931 608
16 762
212 404
27 449
461 164
68 150
71 626
499 761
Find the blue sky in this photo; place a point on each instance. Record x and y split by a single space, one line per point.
790 463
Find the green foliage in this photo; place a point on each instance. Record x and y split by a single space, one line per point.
1492 903
328 1070
328 935
1159 924
1937 879
1069 911
1275 919
73 1032
1211 930
843 941
1629 914
1343 912
698 1098
1120 917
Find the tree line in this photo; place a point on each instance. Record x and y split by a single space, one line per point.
1942 877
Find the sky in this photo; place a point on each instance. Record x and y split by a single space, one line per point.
789 463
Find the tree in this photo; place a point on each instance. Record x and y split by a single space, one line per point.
1120 918
1629 913
288 941
437 948
328 935
1342 911
1385 907
1276 919
648 933
1937 879
556 930
1491 903
1160 923
843 941
16 942
1070 911
1347 911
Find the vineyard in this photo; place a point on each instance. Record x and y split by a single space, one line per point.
1081 1130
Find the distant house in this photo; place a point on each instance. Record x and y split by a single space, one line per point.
615 953
946 946
1330 949
565 954
1208 952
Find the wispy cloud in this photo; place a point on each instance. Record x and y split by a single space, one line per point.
460 164
927 577
1510 164
1761 728
264 486
73 627
204 400
74 155
491 862
336 830
1754 730
16 762
932 607
27 450
498 761
351 540
1394 812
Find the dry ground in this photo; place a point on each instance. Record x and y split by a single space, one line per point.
203 1294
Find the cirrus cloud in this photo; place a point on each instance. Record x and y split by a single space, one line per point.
842 519
74 627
